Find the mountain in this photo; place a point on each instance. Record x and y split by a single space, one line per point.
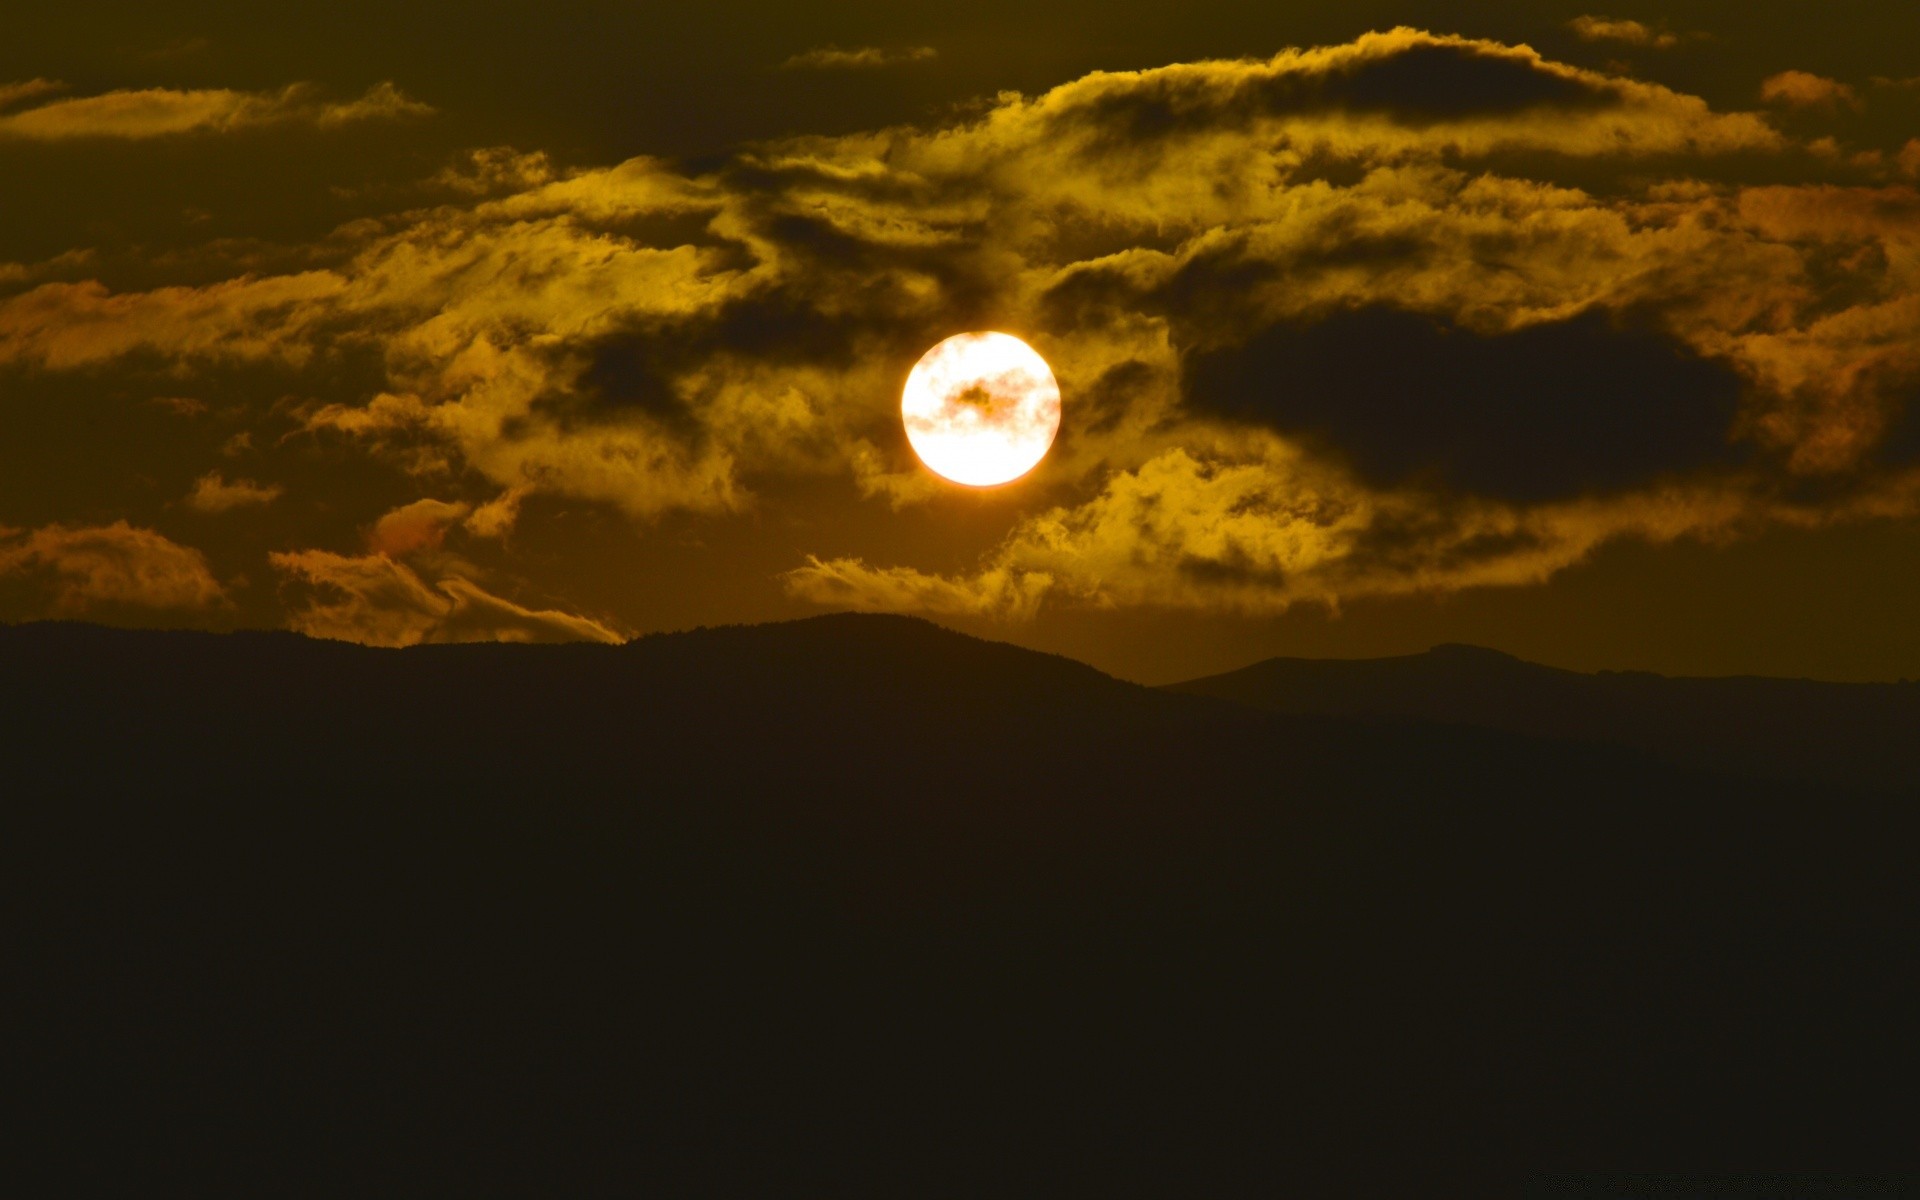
861 904
1853 734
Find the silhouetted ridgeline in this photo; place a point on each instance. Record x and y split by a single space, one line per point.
1859 734
857 903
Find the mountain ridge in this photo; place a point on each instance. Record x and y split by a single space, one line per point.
1811 731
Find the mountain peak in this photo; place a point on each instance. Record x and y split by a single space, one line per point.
1467 652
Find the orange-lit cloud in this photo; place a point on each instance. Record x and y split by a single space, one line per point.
87 567
421 525
1802 89
379 602
163 112
65 325
1628 32
27 89
213 494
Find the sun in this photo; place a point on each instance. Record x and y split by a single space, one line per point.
981 408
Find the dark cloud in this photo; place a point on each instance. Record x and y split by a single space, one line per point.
648 369
1413 82
1113 393
1444 82
1549 410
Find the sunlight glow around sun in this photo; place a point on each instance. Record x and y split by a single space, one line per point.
981 408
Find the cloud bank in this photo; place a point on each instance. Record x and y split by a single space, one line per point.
1407 315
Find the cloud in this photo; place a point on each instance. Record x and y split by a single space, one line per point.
1400 92
1412 313
117 564
1548 410
421 525
65 325
1258 530
495 518
860 58
496 169
379 602
213 494
1799 89
28 89
849 583
69 261
181 406
164 112
1632 33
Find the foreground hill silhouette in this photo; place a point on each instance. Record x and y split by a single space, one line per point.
858 903
1862 734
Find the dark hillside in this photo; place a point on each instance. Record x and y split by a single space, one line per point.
1853 734
857 903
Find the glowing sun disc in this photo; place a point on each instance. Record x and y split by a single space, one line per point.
981 408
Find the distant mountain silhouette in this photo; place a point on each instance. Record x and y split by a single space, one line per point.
857 904
1858 734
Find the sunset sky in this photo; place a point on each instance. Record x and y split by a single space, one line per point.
1592 336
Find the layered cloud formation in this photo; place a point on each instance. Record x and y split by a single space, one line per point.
118 565
1407 315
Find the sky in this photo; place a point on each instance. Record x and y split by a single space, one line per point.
1589 335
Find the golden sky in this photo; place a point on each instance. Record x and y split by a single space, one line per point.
1592 336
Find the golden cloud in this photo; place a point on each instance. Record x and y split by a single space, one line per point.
1260 535
165 112
421 525
117 564
61 326
27 89
376 601
1198 250
1802 89
213 494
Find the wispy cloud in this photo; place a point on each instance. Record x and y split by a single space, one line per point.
213 494
165 112
1628 32
859 58
379 602
27 89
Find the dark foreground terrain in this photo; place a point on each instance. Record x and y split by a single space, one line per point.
858 905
